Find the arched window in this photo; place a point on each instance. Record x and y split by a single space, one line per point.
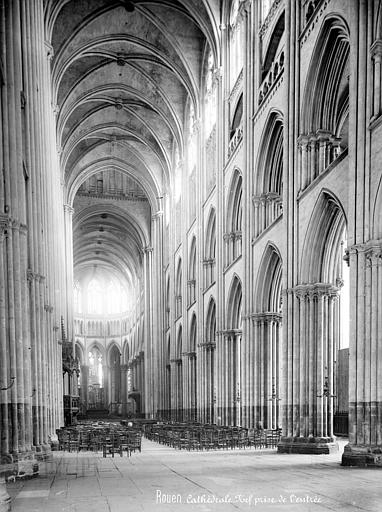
94 297
95 367
77 298
113 300
269 172
235 43
237 117
210 96
192 140
325 112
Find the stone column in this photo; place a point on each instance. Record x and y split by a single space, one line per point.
365 368
308 423
85 386
193 377
5 376
124 369
105 373
158 367
68 215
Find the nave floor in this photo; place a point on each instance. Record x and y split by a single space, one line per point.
238 480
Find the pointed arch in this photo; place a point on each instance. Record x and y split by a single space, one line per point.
179 343
233 235
113 353
234 204
210 238
273 45
237 116
178 289
234 318
210 249
323 246
193 334
96 345
268 337
192 272
269 281
269 183
211 321
79 352
327 88
126 350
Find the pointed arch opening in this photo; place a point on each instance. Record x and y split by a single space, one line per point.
178 290
209 262
232 349
191 282
268 337
325 112
233 235
268 199
324 317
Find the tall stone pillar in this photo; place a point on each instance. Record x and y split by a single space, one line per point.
158 367
365 368
105 373
148 334
85 387
68 215
124 369
308 419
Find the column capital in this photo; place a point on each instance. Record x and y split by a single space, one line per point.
207 345
124 367
370 246
266 317
148 249
157 215
68 209
49 50
303 291
376 50
230 332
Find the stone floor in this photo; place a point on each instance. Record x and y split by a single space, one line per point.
208 481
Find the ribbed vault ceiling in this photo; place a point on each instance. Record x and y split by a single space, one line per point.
122 74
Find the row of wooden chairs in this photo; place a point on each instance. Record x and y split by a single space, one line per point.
108 440
209 437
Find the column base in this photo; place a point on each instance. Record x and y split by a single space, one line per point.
312 445
18 466
362 456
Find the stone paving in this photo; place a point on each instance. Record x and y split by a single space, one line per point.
163 479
